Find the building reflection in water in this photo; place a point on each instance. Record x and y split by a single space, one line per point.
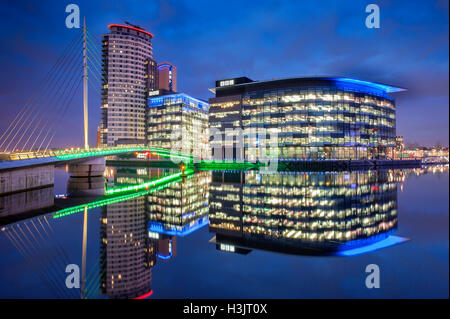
304 213
127 254
299 213
137 231
178 210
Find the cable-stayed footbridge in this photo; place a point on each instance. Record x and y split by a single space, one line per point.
26 143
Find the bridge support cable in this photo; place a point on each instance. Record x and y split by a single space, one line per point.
65 110
61 251
56 121
37 264
45 91
58 100
94 86
96 76
32 258
52 245
95 64
59 123
49 261
57 244
47 253
43 86
44 278
34 127
90 290
91 278
93 43
53 100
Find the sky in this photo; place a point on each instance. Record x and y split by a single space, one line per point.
211 40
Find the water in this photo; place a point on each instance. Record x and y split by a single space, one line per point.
288 232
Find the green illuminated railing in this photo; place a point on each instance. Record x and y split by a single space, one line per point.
72 154
68 154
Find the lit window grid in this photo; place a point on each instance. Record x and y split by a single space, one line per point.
165 120
313 124
125 72
181 203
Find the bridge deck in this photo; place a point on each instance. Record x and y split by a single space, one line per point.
21 160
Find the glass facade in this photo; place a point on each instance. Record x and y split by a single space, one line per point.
297 211
179 122
313 118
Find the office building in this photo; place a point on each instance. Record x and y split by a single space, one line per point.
129 72
167 77
178 122
311 118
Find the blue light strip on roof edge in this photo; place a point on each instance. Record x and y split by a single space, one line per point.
382 87
161 98
387 242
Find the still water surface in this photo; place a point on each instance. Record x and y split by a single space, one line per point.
233 234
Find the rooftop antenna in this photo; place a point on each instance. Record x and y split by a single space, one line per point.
133 25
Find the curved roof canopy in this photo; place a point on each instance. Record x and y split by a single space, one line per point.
311 79
383 87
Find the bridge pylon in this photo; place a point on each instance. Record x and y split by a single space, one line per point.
85 87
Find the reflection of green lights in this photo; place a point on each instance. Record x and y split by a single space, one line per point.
147 184
105 201
205 165
172 156
142 189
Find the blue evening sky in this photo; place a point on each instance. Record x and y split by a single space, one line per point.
211 40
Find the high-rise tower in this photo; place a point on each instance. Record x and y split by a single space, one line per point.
128 73
167 76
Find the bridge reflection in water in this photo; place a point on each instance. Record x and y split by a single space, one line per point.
288 212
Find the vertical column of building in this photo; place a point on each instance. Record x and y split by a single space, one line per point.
128 74
167 77
225 122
